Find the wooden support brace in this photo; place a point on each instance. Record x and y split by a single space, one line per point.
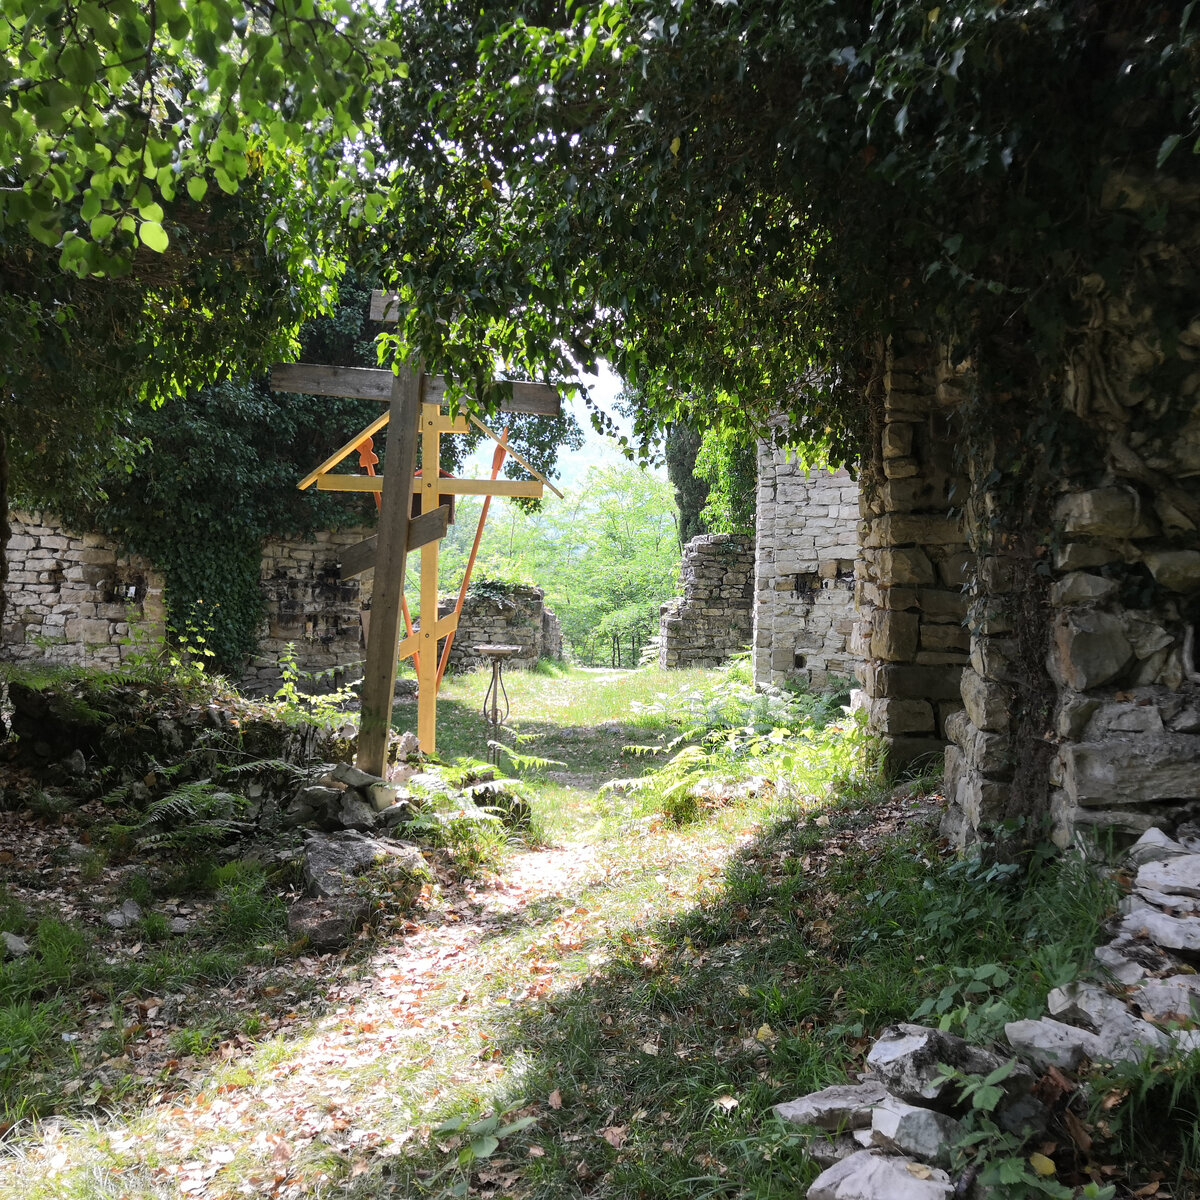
374 383
445 487
379 680
428 527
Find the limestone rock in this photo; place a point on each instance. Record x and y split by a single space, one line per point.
1089 648
1176 998
1178 570
330 860
1144 954
1081 587
405 744
1122 969
1132 770
1049 1043
1128 1039
355 813
317 798
1100 512
987 704
909 1129
130 913
1153 846
868 1176
328 922
353 777
1179 875
843 1106
14 947
907 1058
829 1148
1170 933
1086 1004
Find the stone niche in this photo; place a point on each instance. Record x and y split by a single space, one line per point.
713 618
806 544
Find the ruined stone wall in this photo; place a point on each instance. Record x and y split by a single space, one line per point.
915 561
77 599
1115 728
519 617
74 598
309 606
713 619
806 539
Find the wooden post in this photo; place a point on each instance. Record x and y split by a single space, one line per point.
379 681
427 682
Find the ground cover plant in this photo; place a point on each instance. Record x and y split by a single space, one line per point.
614 1012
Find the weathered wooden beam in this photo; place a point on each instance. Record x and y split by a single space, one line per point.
379 679
373 383
446 487
428 527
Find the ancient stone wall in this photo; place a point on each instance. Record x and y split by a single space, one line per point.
74 598
518 617
713 619
77 599
915 561
1083 693
806 543
308 606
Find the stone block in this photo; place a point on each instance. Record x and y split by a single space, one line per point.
1101 512
995 658
897 439
1179 570
905 749
1131 769
902 716
984 801
955 569
1079 556
944 637
894 636
988 704
902 566
1080 587
1088 649
900 529
900 468
941 605
915 682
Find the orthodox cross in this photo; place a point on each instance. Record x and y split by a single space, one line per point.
412 515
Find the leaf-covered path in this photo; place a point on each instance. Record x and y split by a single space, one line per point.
407 1039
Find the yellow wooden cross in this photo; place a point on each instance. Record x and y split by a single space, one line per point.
414 415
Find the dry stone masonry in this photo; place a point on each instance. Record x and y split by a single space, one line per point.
74 598
806 544
915 561
515 616
713 618
891 1135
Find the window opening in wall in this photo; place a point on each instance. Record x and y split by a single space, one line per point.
799 661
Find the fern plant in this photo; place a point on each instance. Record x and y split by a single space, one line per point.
187 818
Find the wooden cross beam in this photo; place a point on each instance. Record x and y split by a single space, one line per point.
414 411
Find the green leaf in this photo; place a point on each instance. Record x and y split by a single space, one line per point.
1168 145
197 186
483 1147
153 236
102 226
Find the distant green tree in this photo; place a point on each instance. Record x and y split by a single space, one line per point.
681 445
728 460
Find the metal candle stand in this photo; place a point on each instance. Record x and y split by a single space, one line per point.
496 655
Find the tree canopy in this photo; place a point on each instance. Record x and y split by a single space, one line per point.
735 199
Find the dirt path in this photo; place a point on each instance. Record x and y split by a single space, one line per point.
403 1041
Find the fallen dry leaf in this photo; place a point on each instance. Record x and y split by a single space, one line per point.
555 1099
918 1170
615 1135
